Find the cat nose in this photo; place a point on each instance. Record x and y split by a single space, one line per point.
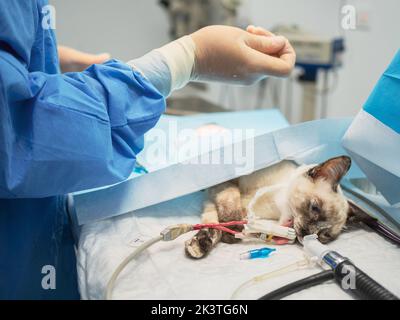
324 236
303 232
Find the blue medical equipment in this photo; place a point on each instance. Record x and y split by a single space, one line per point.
256 253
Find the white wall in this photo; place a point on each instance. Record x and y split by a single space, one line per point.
368 52
368 55
129 28
124 28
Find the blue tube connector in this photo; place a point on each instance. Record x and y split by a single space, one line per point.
257 253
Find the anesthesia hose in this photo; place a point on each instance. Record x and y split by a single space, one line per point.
300 285
347 275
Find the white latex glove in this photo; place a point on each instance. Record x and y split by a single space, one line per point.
228 54
218 53
232 55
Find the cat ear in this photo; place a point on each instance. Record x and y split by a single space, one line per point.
356 215
332 170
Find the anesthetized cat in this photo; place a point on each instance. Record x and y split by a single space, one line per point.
307 197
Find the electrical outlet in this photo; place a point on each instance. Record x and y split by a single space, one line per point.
364 12
363 19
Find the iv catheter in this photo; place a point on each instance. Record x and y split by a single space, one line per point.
170 234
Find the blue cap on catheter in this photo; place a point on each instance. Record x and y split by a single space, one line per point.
257 253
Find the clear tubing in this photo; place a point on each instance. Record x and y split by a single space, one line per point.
123 264
290 268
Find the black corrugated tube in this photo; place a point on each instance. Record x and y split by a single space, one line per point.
300 285
364 286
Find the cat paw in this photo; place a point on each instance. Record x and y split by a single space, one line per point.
199 245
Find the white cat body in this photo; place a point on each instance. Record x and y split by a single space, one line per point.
308 197
275 180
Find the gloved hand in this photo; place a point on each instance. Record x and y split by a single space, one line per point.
233 55
217 53
72 60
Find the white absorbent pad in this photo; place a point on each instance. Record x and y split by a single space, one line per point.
164 272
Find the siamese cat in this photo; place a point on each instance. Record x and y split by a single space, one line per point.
308 198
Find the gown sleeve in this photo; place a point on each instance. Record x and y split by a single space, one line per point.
61 133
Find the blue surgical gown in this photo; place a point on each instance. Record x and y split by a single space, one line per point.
59 133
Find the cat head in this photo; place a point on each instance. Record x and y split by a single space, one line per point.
316 200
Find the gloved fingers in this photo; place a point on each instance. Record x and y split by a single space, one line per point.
279 62
268 45
288 55
259 31
270 65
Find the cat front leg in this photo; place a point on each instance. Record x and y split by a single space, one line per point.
205 240
210 213
202 243
227 199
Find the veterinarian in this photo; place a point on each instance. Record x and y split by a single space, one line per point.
61 133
